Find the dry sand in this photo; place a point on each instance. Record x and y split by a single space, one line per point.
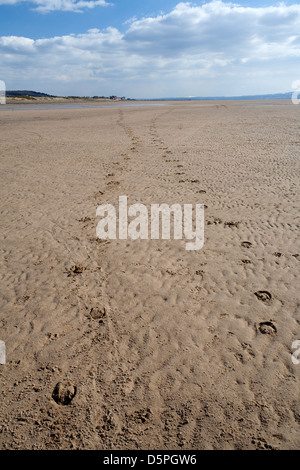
153 346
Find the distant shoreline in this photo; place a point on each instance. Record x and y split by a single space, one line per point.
45 100
30 97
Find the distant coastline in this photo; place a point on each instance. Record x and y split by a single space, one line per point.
26 96
29 96
275 96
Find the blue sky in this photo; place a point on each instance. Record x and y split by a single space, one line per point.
148 49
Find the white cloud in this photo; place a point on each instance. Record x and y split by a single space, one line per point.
45 6
216 48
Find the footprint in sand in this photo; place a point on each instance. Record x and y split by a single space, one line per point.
246 244
199 272
267 328
76 269
85 219
98 193
261 444
231 224
64 392
264 296
97 313
142 416
214 221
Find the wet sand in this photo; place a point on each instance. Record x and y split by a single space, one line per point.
141 344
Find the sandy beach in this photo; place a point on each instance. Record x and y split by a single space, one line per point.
141 344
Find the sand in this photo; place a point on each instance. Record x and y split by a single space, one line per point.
141 344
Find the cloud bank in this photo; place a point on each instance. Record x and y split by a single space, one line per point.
216 48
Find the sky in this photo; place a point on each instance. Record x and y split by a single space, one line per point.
149 48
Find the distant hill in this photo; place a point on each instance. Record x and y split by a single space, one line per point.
30 95
34 94
274 96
